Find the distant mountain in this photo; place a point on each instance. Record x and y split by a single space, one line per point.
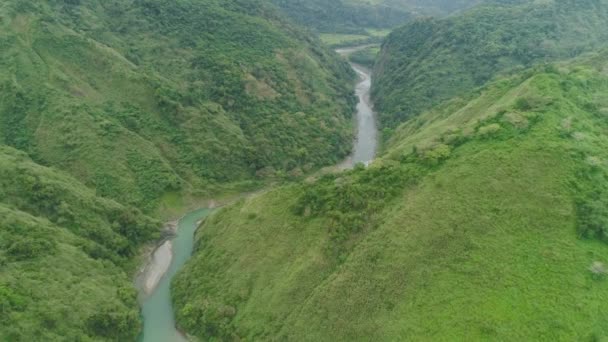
433 7
354 16
338 16
430 60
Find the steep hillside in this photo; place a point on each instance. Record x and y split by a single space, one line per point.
138 98
486 220
108 106
65 257
430 60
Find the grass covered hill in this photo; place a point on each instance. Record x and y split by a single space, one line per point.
65 257
431 60
485 220
137 98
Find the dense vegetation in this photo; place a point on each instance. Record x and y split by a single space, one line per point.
439 7
142 98
431 60
486 218
342 16
108 108
64 257
483 220
354 16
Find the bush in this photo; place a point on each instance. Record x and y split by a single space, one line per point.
592 213
114 323
436 155
24 248
598 269
489 130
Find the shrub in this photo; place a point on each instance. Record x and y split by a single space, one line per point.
489 130
598 269
24 248
113 323
438 154
592 214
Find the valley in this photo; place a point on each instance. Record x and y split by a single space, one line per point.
483 218
166 260
343 170
366 141
157 311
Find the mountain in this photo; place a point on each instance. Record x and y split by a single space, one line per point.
485 219
431 60
110 108
354 16
434 7
141 98
65 257
339 16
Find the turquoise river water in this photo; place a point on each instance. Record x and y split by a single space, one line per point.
157 310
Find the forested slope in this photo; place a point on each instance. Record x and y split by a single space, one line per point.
354 16
107 106
137 98
342 16
65 257
484 221
432 60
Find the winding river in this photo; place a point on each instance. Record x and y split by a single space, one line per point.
167 259
366 143
157 309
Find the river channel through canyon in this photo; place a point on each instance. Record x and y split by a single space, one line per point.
169 257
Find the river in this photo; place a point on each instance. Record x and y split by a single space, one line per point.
168 258
157 309
366 142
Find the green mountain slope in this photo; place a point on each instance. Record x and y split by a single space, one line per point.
65 256
107 106
429 60
484 221
140 98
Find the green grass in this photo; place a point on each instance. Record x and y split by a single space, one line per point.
367 36
336 39
378 32
468 229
